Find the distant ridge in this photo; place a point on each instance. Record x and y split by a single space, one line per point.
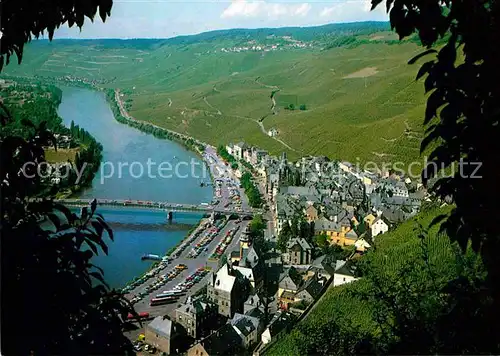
305 33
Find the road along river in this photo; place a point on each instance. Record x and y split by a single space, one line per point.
136 166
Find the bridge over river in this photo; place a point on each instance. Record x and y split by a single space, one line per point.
154 205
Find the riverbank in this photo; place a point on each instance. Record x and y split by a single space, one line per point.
122 116
32 101
169 255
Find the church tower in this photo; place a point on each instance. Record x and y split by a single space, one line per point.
244 243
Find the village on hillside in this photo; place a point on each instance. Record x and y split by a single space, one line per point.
320 217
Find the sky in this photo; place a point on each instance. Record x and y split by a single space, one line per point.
166 18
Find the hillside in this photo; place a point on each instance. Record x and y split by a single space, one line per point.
399 266
361 99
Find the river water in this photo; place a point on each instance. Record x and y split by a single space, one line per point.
126 153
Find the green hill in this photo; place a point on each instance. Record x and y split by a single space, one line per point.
398 265
361 99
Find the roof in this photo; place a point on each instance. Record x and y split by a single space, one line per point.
256 312
378 219
222 280
351 235
288 295
362 243
246 272
241 145
161 326
253 300
344 268
280 322
312 286
194 307
245 324
222 342
252 258
283 206
311 208
290 279
304 245
322 263
369 218
326 225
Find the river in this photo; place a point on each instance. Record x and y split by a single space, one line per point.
127 152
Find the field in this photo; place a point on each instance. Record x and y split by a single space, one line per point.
61 155
362 101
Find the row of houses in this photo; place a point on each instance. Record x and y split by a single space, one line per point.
256 296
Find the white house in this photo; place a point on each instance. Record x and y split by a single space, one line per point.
362 245
343 273
399 189
229 149
379 227
273 132
238 150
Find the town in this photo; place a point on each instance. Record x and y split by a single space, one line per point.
248 281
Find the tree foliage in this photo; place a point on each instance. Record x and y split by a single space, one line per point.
22 20
251 190
463 110
54 299
462 115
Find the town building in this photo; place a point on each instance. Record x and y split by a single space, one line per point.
310 290
277 327
322 267
249 328
299 252
379 227
196 316
362 245
228 289
224 341
344 273
163 334
272 132
238 150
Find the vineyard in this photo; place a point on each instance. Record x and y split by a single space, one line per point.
410 262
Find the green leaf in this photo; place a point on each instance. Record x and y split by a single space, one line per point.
420 55
425 68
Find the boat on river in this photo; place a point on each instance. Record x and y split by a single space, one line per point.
150 256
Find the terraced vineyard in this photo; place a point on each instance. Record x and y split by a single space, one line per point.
362 102
397 252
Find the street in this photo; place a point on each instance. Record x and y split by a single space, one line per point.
229 195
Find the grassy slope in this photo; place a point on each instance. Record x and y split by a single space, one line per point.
376 118
394 250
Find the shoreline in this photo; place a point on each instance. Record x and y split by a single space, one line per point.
118 111
168 253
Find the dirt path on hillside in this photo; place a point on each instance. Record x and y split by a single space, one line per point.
257 80
211 106
125 114
258 122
